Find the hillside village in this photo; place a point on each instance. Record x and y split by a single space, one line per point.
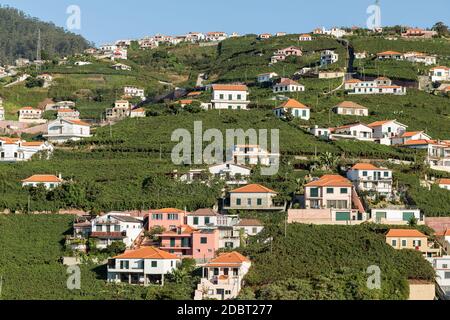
364 154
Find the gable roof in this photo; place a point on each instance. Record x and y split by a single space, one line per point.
383 122
419 142
207 212
444 181
167 210
388 53
43 178
411 134
147 253
350 125
78 122
353 81
250 223
253 188
366 166
32 143
230 87
287 82
292 104
351 104
330 180
228 259
405 233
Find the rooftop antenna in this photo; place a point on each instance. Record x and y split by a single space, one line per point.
38 51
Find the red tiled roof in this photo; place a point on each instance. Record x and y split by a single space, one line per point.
365 166
293 104
230 87
253 188
330 180
350 104
41 178
405 233
147 253
444 181
228 259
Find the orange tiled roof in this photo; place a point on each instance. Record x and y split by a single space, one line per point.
41 178
79 122
167 210
353 81
405 233
419 142
411 134
8 140
287 81
293 104
350 104
194 94
379 123
225 259
230 87
365 166
66 110
440 67
138 110
330 180
33 144
388 53
147 253
444 181
253 188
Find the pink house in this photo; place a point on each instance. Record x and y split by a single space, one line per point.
185 241
168 218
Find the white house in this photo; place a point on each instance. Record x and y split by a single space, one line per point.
266 77
439 74
250 227
252 155
30 114
47 180
295 108
390 55
367 177
203 218
231 173
444 183
230 96
222 277
328 57
134 92
350 85
115 226
438 152
387 129
349 108
68 114
216 36
380 85
319 132
419 57
143 266
63 130
121 66
288 85
395 215
442 267
2 114
305 37
355 131
408 136
360 55
14 150
137 113
264 36
82 63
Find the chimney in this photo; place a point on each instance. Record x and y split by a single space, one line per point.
60 176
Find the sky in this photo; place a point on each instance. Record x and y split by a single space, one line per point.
104 21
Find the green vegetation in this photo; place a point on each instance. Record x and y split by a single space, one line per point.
56 42
329 263
30 264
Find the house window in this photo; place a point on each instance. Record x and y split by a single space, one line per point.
195 221
216 271
417 243
249 201
314 192
221 97
445 266
239 97
238 202
404 243
344 191
172 216
124 265
203 240
207 220
259 202
157 216
394 243
386 174
330 190
365 173
154 264
447 275
255 230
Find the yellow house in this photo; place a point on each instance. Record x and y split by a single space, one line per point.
411 239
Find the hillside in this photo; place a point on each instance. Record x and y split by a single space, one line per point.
19 34
329 263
